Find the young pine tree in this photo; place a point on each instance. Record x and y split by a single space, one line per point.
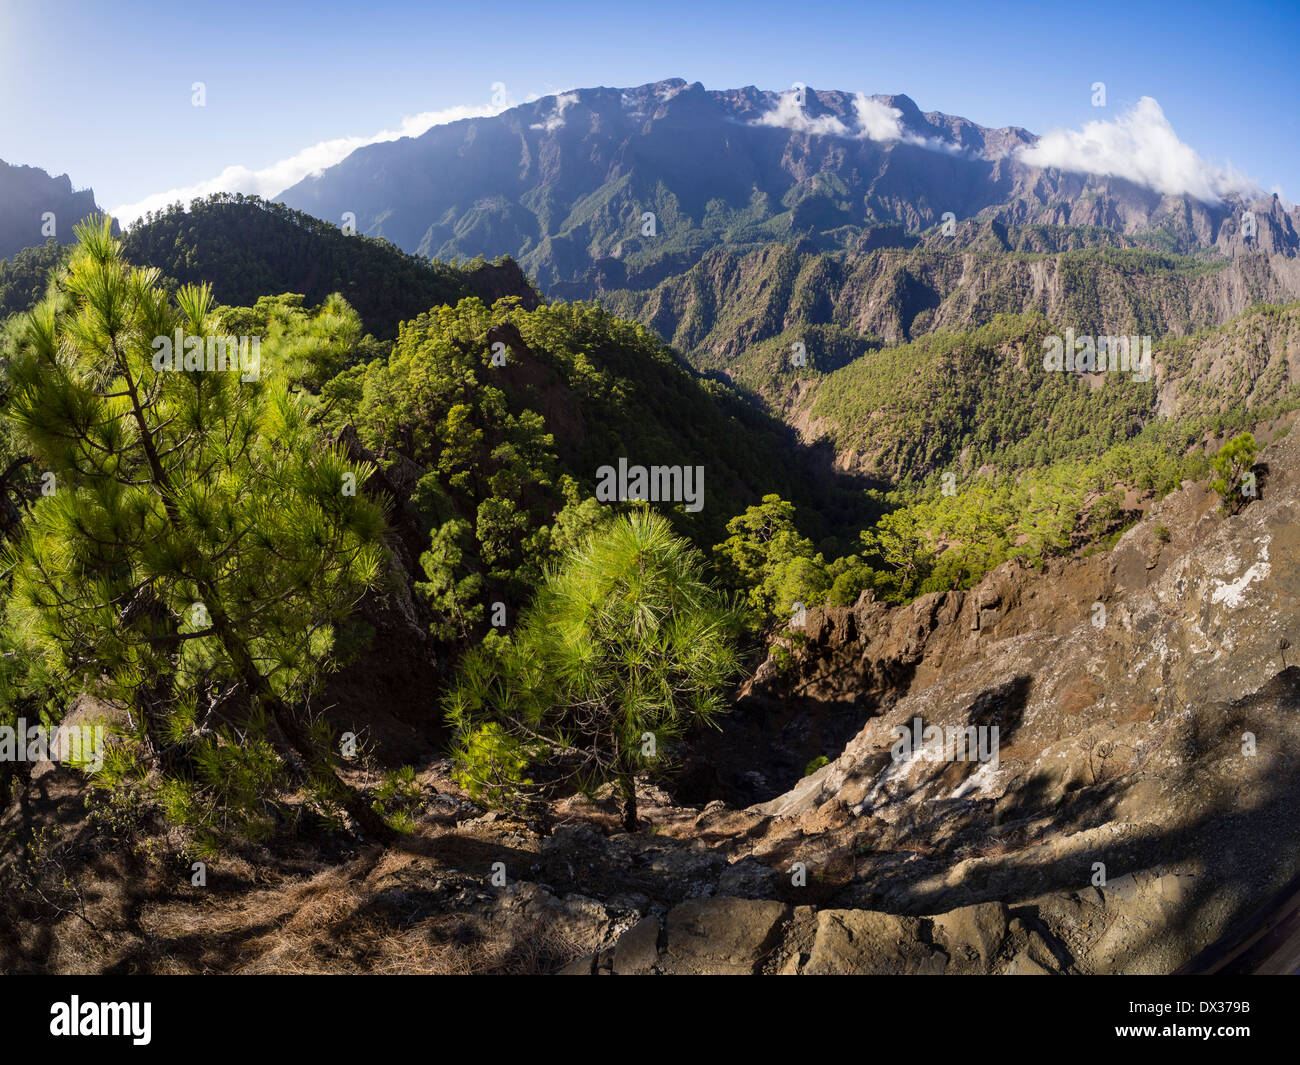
1231 465
625 647
196 549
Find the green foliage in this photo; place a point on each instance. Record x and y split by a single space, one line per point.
492 763
506 488
962 400
767 557
934 542
815 765
457 599
246 247
490 491
929 541
625 647
398 797
1231 465
23 279
306 348
230 790
197 555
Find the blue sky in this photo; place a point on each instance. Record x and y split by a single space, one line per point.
102 91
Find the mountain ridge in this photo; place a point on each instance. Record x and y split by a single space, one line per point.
564 183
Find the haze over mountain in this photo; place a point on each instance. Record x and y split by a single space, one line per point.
565 183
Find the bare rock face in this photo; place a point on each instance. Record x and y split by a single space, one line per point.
1145 702
727 936
871 944
26 194
494 281
1134 805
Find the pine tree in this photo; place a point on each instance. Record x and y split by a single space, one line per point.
1231 465
199 546
767 557
624 648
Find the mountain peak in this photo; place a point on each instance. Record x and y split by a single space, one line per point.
35 206
567 182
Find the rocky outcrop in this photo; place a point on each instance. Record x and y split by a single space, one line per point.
493 281
35 206
1145 701
1146 706
731 936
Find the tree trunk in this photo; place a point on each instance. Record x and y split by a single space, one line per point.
370 823
627 784
290 728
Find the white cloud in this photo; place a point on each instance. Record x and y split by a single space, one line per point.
272 180
789 114
1140 146
877 121
556 119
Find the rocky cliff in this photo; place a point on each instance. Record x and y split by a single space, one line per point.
35 207
1141 799
734 300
